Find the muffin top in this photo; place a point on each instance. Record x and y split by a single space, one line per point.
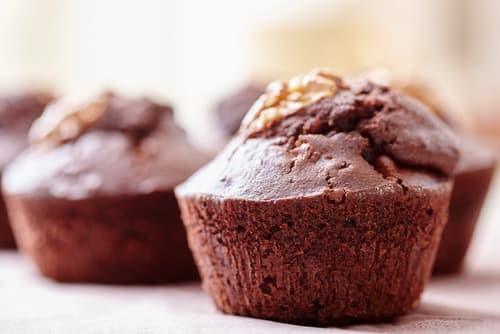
17 113
101 146
317 135
231 110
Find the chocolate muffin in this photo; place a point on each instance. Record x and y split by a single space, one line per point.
92 198
327 208
17 112
473 176
230 110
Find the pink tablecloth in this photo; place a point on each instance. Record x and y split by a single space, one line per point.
30 304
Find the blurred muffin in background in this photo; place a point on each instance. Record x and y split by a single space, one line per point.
17 112
486 122
226 116
231 109
92 199
473 177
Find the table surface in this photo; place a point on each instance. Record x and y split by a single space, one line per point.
32 304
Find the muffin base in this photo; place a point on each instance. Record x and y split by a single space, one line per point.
469 193
317 260
134 239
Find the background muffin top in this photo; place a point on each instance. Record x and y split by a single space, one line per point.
103 145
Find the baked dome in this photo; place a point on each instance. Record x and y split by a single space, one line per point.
333 139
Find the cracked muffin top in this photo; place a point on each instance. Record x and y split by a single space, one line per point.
317 135
103 145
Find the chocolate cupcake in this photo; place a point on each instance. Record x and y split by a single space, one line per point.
92 199
17 112
327 208
230 110
473 176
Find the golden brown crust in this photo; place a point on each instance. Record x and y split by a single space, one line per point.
283 98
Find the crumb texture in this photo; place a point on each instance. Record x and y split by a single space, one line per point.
317 261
